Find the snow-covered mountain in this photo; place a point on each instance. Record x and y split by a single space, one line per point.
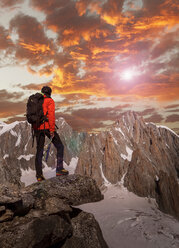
143 155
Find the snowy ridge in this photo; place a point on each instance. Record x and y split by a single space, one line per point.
169 130
164 127
8 127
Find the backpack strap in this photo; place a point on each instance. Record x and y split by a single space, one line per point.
33 135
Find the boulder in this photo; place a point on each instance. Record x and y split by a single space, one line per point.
86 232
42 214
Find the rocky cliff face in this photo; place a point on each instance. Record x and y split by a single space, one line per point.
136 152
43 214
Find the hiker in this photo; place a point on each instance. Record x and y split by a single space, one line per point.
47 128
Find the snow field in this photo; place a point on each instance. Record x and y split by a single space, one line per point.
129 221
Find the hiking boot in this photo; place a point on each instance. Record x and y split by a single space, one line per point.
41 178
62 172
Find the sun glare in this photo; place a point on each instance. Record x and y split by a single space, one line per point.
127 75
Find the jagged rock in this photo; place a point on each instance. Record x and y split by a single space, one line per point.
43 231
140 175
167 194
133 149
86 232
112 163
2 210
41 215
90 158
72 140
8 215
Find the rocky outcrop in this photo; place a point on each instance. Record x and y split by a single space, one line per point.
167 194
140 177
41 215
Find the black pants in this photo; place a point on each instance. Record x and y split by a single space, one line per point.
40 138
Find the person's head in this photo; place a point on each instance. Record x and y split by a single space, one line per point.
46 90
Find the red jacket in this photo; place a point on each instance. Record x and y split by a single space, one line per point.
49 111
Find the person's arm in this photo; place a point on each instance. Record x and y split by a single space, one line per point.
51 116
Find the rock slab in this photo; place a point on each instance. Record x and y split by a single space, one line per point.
43 214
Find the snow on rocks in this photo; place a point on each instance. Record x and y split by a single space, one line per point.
167 128
120 130
6 156
129 154
72 165
8 127
18 140
26 157
106 182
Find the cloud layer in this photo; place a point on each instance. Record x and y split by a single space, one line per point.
87 46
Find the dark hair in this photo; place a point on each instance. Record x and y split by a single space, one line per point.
46 90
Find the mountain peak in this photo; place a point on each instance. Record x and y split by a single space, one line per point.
130 117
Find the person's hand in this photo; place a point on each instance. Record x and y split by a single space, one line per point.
51 135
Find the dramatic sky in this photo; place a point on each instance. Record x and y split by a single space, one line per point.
101 58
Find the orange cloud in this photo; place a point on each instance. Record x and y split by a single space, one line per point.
36 48
96 41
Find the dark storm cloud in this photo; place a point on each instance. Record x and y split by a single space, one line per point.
88 119
35 87
147 111
33 44
172 118
156 118
29 29
81 125
71 100
171 106
5 95
172 111
10 104
73 28
169 41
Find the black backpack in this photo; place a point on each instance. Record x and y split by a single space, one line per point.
34 110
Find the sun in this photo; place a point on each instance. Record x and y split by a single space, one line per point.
128 74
